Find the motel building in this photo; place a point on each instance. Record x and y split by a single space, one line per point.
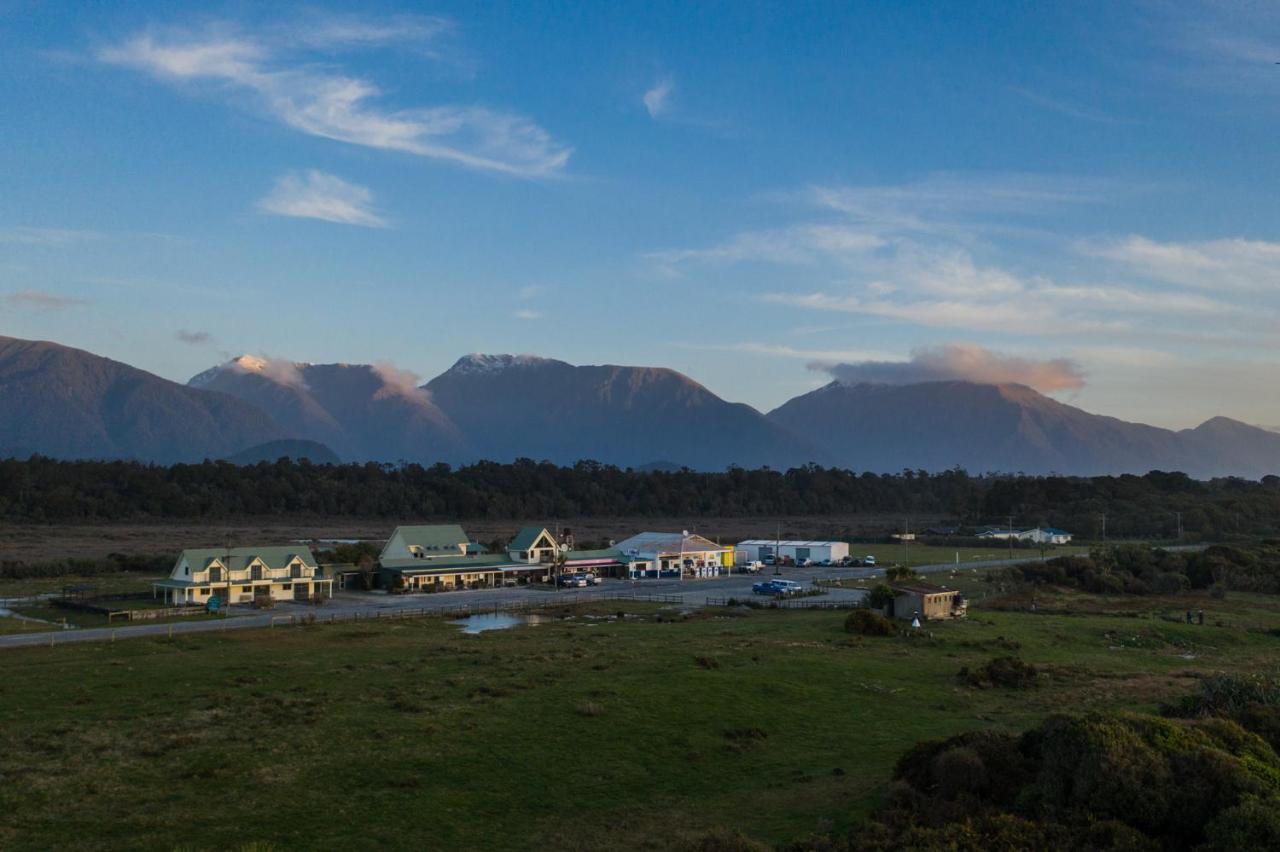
662 554
440 557
241 574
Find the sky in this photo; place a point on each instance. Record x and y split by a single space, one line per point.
764 196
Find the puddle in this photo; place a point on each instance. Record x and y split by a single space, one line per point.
496 621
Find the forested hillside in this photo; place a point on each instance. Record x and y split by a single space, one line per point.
45 490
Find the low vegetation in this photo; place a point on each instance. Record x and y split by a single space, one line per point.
761 727
1097 781
1142 570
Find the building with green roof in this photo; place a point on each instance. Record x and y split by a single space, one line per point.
243 574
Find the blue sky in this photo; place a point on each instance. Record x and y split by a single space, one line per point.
1080 196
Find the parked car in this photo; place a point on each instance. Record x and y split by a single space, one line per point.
595 579
764 588
787 587
752 567
869 561
804 563
573 580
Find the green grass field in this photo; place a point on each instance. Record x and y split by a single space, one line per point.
580 734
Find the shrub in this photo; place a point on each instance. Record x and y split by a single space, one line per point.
1007 672
880 596
264 602
865 622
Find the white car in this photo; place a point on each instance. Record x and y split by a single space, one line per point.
869 561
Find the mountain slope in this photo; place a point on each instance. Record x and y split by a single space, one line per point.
937 425
290 448
67 403
512 406
361 412
1229 447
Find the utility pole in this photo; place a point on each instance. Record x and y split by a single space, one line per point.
1104 527
906 541
1179 514
777 552
1011 536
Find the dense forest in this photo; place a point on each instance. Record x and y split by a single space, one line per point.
44 490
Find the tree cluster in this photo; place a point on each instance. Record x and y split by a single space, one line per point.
46 490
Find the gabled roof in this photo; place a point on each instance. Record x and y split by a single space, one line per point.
431 536
239 558
527 536
1054 531
661 542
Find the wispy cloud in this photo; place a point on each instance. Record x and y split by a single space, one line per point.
45 236
318 100
1064 108
397 381
39 299
1212 264
194 338
316 195
962 362
783 351
657 97
528 314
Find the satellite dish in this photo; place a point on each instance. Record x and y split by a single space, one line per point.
564 548
684 532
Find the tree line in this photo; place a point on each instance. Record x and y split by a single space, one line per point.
44 490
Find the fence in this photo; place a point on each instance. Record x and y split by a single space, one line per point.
467 610
788 603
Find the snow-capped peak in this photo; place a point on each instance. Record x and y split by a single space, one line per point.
478 362
280 372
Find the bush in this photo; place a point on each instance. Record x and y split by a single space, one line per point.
1101 781
264 602
880 596
1007 672
865 622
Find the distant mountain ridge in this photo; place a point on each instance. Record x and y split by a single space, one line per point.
512 406
67 403
359 411
1010 428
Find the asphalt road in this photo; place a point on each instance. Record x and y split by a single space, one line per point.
348 605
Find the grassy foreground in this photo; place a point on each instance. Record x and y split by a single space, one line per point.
580 734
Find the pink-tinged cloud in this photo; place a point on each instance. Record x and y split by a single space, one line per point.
965 362
40 299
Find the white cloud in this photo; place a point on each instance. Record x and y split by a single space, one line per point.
320 101
397 381
316 195
528 314
658 95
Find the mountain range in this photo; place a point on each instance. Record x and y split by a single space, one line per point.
67 403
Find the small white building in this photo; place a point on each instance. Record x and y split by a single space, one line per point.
240 574
1039 535
760 549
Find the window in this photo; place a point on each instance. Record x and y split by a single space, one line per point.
202 591
186 569
246 588
288 587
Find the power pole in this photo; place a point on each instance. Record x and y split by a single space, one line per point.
1179 514
1011 536
1104 527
